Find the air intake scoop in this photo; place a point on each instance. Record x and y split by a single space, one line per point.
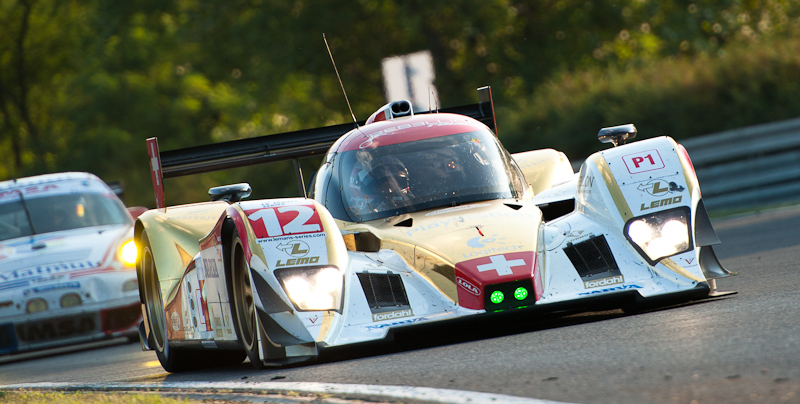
390 111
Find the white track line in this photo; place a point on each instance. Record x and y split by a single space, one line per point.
427 394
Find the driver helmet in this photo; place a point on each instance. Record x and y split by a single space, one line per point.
389 178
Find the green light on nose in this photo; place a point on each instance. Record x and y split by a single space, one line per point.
496 297
521 293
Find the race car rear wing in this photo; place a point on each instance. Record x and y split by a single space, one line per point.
271 148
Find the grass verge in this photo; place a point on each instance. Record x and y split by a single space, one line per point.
47 397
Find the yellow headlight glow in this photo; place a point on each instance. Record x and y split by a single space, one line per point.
313 289
661 234
128 252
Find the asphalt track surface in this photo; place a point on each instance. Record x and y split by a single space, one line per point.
743 348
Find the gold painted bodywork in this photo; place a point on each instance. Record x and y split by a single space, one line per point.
544 168
433 242
174 235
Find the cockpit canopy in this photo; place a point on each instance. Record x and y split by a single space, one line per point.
394 178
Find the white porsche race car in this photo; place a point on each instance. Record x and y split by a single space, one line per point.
67 261
412 218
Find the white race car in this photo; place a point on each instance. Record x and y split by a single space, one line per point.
67 263
412 218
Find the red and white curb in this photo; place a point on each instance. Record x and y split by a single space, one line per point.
347 391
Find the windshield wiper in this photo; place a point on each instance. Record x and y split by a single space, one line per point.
27 213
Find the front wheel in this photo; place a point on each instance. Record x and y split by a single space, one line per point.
244 307
172 359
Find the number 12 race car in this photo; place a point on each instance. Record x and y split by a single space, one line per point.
412 218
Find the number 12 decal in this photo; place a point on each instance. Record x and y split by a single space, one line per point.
284 220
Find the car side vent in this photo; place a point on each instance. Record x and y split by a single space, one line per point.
554 210
383 291
405 223
591 257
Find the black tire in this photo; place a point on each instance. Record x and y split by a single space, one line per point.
243 302
172 359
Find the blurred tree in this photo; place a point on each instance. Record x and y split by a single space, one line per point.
82 84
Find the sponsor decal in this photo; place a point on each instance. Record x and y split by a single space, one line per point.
647 160
468 217
585 182
501 265
47 288
468 286
403 322
210 269
295 248
660 187
284 220
429 124
456 209
176 321
491 250
603 282
37 189
391 315
617 288
299 236
481 242
6 252
46 270
662 202
297 261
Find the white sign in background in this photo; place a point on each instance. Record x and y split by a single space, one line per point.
410 77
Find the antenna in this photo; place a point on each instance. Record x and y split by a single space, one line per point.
431 94
340 80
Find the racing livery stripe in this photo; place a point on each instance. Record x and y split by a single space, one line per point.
674 267
87 272
613 187
15 284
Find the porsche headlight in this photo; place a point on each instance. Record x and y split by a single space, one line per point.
36 305
70 300
661 234
313 288
127 253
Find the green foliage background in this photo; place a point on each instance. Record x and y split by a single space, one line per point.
84 83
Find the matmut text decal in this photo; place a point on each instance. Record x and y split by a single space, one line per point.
46 270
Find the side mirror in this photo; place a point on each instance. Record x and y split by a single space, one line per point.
230 193
617 135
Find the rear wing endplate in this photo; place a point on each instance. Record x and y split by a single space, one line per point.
272 148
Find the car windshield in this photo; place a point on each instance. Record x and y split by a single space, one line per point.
25 216
425 174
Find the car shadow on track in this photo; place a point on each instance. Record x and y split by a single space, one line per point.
434 334
480 327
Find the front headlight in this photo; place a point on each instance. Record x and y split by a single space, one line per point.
661 234
313 288
127 253
36 305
